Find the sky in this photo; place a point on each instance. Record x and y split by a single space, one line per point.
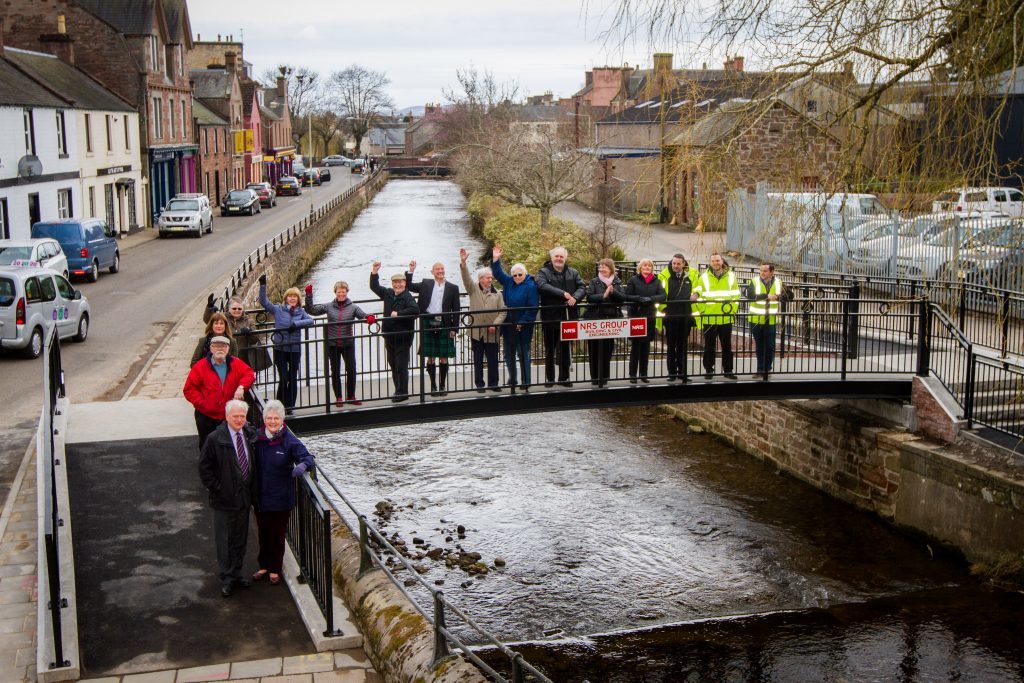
540 44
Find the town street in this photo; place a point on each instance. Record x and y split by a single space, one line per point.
133 310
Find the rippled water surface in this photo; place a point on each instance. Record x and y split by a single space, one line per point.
697 562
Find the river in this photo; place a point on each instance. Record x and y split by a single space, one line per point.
636 551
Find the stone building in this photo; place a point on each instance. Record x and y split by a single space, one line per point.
278 144
215 170
220 92
138 49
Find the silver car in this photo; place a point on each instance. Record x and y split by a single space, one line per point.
186 213
42 250
31 300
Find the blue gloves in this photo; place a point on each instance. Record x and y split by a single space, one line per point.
299 470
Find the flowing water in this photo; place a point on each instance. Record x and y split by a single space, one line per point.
635 551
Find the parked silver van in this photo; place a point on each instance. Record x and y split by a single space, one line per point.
31 299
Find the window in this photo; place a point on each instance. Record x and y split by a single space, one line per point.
65 288
812 106
88 132
1016 196
62 135
154 51
174 120
774 127
47 288
109 192
64 203
92 201
30 131
158 119
127 132
999 196
5 221
177 59
184 119
206 141
110 135
32 290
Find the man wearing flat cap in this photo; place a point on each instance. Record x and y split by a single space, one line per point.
397 325
212 382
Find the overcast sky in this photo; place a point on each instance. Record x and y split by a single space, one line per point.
541 44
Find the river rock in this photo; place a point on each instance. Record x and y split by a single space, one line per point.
410 582
461 530
435 553
417 541
694 429
499 562
384 509
421 569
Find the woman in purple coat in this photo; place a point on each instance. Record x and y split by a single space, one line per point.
280 459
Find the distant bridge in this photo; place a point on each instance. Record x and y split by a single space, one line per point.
418 166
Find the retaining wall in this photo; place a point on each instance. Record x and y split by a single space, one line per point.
918 484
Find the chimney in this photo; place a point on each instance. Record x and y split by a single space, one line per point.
848 69
940 74
1 37
229 62
59 44
737 63
282 90
588 78
663 79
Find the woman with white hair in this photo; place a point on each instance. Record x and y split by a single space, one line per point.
280 458
521 299
487 307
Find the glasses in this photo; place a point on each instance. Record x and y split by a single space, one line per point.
235 308
518 274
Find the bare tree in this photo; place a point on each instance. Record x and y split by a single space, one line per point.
359 96
535 167
477 103
327 125
305 93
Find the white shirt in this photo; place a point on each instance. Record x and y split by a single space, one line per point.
436 296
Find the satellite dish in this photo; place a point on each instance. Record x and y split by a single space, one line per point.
29 166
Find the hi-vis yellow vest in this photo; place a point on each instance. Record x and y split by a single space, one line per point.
719 298
664 276
761 309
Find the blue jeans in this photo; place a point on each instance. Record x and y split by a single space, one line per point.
517 344
764 346
287 364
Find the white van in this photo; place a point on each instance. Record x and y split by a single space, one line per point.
999 200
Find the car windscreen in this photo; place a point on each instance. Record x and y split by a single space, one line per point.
183 205
68 234
1006 236
239 196
948 197
10 254
6 291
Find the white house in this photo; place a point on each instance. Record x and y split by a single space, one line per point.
102 138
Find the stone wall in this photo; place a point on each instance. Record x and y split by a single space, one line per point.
920 485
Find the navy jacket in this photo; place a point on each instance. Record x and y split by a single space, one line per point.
287 320
523 295
274 463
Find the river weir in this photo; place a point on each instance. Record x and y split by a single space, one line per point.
620 547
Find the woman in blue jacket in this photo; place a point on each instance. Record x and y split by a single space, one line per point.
280 458
289 317
521 300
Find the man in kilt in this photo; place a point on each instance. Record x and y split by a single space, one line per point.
439 323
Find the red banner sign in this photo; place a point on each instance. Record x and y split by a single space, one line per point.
616 328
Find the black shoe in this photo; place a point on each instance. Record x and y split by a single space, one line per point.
497 389
565 384
442 392
671 378
684 380
709 375
242 583
399 398
645 380
632 380
730 375
549 384
526 388
757 374
227 589
480 390
594 382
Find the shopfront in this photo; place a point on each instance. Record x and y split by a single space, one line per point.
171 170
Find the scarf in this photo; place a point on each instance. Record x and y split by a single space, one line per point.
273 435
648 278
606 280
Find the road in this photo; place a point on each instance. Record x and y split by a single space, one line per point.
132 310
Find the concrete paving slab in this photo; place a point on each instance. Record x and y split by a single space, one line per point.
341 676
257 668
151 677
351 659
134 419
303 664
212 672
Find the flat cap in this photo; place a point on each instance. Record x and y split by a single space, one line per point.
220 339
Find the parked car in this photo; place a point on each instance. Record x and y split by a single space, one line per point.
289 185
334 160
88 243
189 213
311 177
1006 200
266 192
357 165
240 201
45 251
325 175
996 258
32 299
937 256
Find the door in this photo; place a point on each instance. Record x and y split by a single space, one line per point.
72 308
39 302
54 309
33 210
1010 202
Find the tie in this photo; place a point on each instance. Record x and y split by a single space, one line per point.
243 459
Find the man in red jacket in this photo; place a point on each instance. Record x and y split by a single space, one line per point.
212 382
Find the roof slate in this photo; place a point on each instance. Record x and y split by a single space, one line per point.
214 84
205 116
17 89
131 17
74 85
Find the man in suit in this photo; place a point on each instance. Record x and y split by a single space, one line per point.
397 324
228 472
439 300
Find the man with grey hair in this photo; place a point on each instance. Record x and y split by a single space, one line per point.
560 287
213 381
228 472
488 309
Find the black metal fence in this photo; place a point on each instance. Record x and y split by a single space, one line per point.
53 390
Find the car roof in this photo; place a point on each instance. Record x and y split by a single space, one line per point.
29 242
24 271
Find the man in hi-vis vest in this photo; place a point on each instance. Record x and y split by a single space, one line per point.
765 293
719 296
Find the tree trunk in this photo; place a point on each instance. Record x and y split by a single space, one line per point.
545 214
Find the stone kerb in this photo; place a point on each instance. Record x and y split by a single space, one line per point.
398 639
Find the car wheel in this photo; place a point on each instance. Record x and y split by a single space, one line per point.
94 271
83 328
199 232
35 344
116 265
259 208
209 228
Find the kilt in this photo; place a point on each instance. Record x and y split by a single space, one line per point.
434 341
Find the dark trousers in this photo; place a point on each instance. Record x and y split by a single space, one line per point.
336 354
398 361
764 346
555 347
205 426
723 334
640 352
600 352
271 526
231 532
490 350
517 346
677 330
287 364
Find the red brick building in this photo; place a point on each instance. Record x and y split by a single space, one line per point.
219 90
278 147
214 170
137 49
